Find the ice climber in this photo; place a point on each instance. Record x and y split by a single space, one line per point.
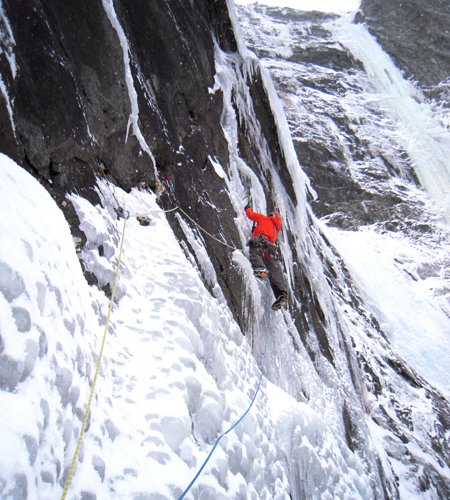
264 253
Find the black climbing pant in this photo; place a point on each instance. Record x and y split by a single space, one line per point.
263 253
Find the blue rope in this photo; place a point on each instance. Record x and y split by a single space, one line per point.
236 423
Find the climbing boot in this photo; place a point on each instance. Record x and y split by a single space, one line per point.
281 301
261 272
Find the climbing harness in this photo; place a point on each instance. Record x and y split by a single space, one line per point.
258 386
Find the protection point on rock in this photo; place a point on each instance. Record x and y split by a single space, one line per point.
102 169
158 187
143 220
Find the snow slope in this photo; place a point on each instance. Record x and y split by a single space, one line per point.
176 369
337 414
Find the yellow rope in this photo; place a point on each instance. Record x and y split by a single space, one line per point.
156 212
205 231
191 219
97 370
110 306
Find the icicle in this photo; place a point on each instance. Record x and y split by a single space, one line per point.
108 5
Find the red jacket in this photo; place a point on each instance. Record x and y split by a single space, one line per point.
266 225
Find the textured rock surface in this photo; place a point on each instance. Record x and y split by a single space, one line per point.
416 34
69 102
65 115
361 179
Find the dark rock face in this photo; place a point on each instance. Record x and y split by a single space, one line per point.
61 98
71 104
67 115
327 140
416 34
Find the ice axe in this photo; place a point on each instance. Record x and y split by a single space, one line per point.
249 199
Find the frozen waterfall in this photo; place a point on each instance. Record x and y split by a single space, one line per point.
423 134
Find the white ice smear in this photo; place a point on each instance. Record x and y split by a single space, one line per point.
217 168
424 138
176 371
9 104
7 43
108 5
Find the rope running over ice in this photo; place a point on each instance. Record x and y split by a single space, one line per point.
193 221
100 354
97 370
258 386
